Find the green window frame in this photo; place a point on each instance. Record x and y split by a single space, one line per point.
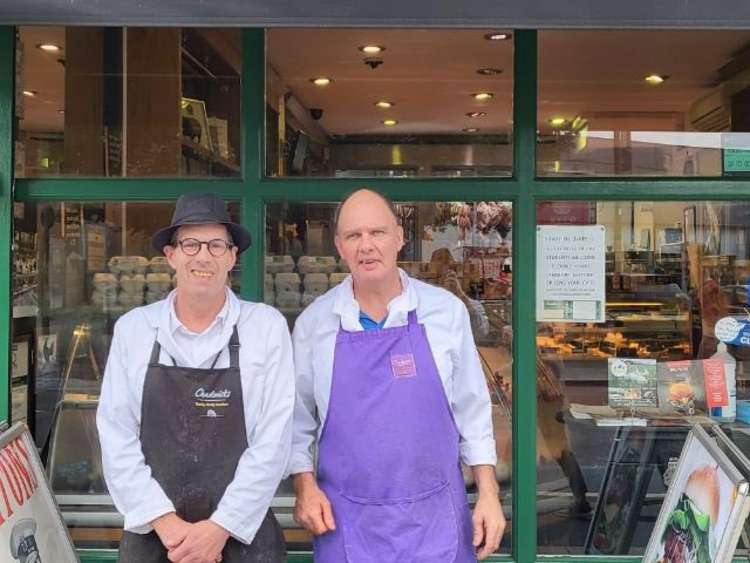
253 190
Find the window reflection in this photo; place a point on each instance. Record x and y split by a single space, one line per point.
643 103
403 112
606 449
127 102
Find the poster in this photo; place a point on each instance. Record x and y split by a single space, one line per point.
702 514
20 359
631 382
570 268
31 528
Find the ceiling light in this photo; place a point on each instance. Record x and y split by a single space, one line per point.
384 104
470 130
372 49
482 96
30 93
321 81
655 79
476 114
489 71
49 47
497 36
390 122
557 121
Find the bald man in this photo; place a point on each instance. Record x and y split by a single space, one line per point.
390 387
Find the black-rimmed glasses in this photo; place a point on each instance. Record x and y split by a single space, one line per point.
216 247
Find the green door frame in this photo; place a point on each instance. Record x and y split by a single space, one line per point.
253 190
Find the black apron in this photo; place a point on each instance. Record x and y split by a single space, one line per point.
192 436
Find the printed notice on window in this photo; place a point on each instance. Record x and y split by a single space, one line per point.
570 274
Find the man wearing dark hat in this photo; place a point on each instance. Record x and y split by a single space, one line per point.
196 405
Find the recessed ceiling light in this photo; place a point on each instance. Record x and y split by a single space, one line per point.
655 79
390 122
476 114
61 111
30 93
482 96
489 71
321 81
372 49
496 36
49 47
557 121
470 130
384 104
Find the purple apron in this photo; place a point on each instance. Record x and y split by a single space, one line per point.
388 456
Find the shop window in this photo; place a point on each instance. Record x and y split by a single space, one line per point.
643 103
628 297
464 247
76 268
351 103
127 102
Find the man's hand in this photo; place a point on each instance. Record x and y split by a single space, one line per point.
171 530
488 518
312 509
203 544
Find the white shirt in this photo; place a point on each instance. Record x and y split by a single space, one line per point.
449 333
267 378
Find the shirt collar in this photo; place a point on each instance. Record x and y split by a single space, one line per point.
175 324
347 307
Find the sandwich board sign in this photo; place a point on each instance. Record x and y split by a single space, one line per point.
31 526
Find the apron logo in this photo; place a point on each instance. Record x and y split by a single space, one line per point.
204 395
212 401
403 365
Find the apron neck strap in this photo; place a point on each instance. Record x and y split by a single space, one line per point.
234 349
413 318
156 352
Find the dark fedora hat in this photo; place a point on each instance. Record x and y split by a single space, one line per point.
201 209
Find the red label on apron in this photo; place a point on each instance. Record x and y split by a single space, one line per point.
403 365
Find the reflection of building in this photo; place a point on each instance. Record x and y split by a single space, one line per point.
102 151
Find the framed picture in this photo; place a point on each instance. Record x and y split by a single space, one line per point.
46 353
704 509
20 358
32 528
195 122
622 493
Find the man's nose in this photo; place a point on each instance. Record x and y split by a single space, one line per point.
365 243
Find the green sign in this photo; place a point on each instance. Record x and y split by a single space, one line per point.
736 161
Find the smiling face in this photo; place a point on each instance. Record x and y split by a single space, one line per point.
369 238
202 276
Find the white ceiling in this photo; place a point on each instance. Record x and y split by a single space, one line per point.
431 74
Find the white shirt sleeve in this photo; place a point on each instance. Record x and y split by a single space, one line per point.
247 498
305 416
135 493
471 405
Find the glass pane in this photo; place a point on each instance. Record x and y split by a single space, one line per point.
464 247
382 102
617 394
76 268
643 103
127 102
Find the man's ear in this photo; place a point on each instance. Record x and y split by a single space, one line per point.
400 236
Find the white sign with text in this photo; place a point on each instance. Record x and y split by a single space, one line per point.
570 285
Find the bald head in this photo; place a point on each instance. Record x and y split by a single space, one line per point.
366 196
369 238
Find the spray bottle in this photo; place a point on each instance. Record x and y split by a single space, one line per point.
729 412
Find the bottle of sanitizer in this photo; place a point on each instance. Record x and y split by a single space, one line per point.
729 412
